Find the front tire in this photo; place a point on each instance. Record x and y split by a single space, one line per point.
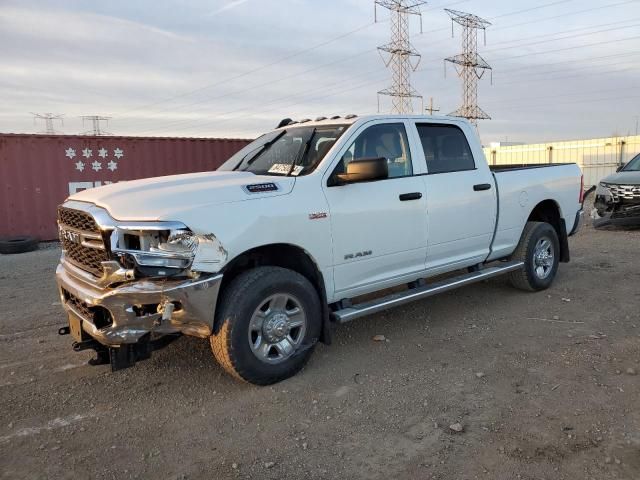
269 322
539 249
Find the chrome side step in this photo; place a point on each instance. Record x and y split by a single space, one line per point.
360 310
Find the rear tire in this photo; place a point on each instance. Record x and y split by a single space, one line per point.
269 321
539 249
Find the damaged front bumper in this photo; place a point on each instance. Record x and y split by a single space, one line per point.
616 205
138 310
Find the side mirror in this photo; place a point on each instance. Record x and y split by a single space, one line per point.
364 170
620 168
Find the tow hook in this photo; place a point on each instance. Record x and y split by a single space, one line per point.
166 309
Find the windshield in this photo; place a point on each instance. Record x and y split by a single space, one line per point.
633 165
294 151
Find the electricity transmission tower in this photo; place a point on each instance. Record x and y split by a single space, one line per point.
401 55
95 122
470 66
48 122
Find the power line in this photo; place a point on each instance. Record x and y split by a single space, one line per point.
590 100
596 72
561 38
359 54
563 15
249 72
624 39
189 123
202 103
123 114
606 72
320 97
580 60
196 124
514 101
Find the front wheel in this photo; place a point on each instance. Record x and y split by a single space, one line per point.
269 322
539 249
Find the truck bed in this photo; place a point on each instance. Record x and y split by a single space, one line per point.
521 187
521 166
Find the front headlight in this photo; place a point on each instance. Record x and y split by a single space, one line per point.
171 249
177 251
166 252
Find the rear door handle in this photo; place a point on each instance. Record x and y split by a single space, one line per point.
482 186
410 196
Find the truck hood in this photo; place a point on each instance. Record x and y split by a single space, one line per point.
623 178
163 198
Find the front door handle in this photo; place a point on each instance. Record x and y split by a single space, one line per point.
482 186
404 197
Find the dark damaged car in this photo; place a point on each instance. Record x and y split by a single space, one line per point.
617 199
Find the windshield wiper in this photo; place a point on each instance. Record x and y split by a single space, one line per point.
303 150
254 153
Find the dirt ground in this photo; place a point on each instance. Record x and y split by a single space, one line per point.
545 386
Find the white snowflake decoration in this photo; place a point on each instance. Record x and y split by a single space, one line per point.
70 152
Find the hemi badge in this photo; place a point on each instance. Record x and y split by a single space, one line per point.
261 187
318 215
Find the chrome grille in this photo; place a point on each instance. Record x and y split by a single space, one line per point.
98 316
78 305
626 192
81 240
78 220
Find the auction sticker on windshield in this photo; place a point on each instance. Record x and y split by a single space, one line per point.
282 168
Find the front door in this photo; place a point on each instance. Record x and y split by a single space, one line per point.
378 227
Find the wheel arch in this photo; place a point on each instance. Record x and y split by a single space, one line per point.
549 211
283 255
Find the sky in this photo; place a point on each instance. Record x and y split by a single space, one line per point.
561 69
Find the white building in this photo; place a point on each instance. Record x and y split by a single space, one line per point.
598 157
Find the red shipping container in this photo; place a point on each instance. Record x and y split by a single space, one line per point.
37 172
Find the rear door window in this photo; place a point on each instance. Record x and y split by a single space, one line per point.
445 148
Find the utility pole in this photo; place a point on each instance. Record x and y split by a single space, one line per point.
637 124
431 108
401 55
95 122
48 122
469 65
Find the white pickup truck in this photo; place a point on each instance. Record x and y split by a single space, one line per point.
266 254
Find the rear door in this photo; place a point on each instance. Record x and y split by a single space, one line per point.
461 197
378 227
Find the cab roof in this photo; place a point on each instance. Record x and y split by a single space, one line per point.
351 119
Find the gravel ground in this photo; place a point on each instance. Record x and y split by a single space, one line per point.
543 386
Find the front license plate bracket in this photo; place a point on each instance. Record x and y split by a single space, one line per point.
75 327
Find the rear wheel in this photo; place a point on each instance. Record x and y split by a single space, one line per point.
269 322
539 249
